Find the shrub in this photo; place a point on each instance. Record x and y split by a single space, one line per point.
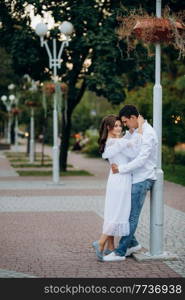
167 155
172 157
92 147
180 157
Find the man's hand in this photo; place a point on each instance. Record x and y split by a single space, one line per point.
131 130
114 168
140 121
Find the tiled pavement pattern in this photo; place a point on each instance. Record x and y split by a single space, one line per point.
47 230
58 244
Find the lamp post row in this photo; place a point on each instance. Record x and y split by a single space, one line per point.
66 28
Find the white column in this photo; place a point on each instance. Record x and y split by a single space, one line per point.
32 143
16 133
56 176
157 205
9 129
55 143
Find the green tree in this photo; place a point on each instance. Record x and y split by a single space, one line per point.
110 71
173 115
7 74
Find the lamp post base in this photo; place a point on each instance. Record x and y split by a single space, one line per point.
60 183
56 177
157 215
32 154
144 256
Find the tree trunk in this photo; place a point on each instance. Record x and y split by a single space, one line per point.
65 138
68 105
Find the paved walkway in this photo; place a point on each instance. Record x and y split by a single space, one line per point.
47 230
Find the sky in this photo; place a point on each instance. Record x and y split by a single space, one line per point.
37 18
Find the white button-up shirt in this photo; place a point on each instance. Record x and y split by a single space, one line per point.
130 147
144 165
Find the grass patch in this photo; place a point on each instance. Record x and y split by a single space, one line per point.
21 155
17 154
31 165
28 165
27 160
18 160
49 173
174 174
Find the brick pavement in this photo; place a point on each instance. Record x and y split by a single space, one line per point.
58 244
48 230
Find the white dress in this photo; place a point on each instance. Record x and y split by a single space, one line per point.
118 189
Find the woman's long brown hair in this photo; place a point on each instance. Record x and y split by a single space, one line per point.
107 124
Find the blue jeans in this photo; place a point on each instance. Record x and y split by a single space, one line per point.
138 194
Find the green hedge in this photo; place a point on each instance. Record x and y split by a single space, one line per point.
92 147
170 156
180 158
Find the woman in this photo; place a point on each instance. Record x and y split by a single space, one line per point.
117 149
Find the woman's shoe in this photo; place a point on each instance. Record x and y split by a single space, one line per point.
94 244
99 253
107 251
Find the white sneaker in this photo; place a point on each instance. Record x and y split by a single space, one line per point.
133 249
113 257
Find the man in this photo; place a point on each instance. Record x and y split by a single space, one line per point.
143 173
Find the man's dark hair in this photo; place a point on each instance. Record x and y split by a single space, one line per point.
128 111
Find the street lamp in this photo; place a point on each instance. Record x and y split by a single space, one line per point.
66 28
16 126
32 105
12 87
8 102
157 199
15 112
32 136
157 205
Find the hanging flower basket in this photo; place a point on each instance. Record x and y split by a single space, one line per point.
156 30
15 111
64 88
49 88
139 25
31 103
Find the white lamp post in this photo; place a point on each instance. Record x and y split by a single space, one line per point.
157 199
157 205
31 105
16 131
8 102
67 29
32 137
12 87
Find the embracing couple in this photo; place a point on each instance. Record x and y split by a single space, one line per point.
133 161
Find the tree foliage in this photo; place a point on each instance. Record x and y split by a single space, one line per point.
95 59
